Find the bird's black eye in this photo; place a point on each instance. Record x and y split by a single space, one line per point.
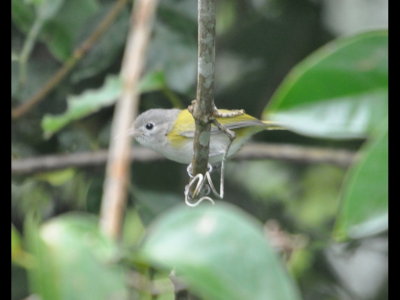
149 126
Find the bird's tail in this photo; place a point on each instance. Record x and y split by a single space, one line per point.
271 125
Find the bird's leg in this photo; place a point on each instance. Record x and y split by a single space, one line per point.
207 176
229 114
231 135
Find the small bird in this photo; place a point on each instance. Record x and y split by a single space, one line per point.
170 132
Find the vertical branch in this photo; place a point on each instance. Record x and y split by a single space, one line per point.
204 105
117 172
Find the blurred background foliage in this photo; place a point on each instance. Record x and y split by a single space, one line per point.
336 217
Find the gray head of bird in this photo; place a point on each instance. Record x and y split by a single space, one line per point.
152 126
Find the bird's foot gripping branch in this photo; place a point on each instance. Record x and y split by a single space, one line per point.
200 184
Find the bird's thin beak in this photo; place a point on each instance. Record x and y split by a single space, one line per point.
134 133
131 132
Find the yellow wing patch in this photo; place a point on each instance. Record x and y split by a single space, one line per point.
184 126
184 123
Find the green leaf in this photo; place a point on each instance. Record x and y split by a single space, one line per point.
82 105
59 33
74 260
15 242
43 275
365 197
93 100
58 39
152 81
220 252
107 50
165 286
29 196
133 229
57 178
340 91
22 14
18 254
47 9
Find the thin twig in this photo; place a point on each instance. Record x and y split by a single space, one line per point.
78 53
203 107
117 172
252 151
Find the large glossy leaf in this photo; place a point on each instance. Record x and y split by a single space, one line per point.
73 260
340 91
91 101
365 197
220 252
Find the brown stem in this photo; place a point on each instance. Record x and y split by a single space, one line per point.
251 151
118 163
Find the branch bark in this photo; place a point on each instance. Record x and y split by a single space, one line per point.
203 107
252 151
117 171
